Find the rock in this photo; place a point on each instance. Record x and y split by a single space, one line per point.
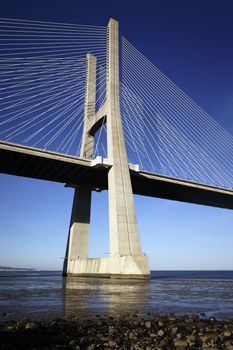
73 342
137 347
209 338
189 320
103 339
30 325
228 346
174 330
160 333
194 331
91 347
164 343
180 344
191 339
131 335
171 318
152 335
112 343
227 333
83 340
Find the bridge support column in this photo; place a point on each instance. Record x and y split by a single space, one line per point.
78 238
126 259
124 236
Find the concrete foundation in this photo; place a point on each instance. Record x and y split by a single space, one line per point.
127 266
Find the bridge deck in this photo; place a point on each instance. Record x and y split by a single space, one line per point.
24 161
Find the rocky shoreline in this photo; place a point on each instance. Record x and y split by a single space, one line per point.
128 332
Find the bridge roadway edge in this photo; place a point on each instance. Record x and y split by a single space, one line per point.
38 164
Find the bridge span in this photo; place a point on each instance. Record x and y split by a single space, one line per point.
73 171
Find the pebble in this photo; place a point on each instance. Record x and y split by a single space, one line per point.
112 343
160 333
174 330
30 325
148 324
227 334
152 335
122 333
180 343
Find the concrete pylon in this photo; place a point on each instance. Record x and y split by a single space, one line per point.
126 259
78 238
124 237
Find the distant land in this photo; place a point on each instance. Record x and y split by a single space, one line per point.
7 268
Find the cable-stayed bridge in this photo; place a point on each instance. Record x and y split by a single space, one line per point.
73 171
82 106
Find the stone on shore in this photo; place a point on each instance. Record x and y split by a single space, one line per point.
123 333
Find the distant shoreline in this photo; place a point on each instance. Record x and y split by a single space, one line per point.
7 268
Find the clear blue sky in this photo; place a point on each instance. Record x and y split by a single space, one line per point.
191 42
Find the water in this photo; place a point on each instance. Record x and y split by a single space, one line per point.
45 294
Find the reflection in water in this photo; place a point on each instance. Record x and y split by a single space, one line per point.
92 296
87 297
44 294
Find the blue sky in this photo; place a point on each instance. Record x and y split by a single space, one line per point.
191 42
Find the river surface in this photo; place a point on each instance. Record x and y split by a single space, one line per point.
47 295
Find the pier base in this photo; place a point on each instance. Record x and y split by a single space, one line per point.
129 266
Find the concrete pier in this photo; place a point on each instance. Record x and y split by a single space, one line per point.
126 266
126 259
78 238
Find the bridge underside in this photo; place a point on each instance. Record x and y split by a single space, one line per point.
23 161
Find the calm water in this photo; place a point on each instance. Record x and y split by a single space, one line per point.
48 295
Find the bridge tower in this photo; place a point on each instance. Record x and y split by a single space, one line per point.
126 259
